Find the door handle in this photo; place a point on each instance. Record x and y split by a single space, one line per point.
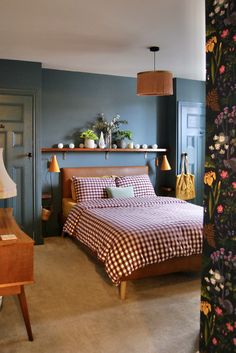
29 155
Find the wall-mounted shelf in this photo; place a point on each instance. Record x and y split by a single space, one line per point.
105 150
46 149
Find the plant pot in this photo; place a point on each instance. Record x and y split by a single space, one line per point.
121 143
89 143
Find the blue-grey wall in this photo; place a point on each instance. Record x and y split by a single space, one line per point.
68 101
72 100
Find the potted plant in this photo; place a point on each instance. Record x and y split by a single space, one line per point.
89 137
121 136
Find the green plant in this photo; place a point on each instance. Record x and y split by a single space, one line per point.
101 124
89 134
122 134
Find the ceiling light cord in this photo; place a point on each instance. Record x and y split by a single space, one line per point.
154 50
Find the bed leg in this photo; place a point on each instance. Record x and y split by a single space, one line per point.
123 290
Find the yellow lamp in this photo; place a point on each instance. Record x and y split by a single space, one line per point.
165 165
54 167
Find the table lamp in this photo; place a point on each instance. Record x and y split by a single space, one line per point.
7 188
7 185
53 168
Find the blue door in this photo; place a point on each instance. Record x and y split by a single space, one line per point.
16 139
192 141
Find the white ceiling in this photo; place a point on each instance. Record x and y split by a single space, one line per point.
106 36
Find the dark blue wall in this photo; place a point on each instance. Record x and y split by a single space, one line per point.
72 100
68 101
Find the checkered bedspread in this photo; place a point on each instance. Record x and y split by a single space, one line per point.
130 233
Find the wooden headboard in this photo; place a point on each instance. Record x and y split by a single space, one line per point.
68 173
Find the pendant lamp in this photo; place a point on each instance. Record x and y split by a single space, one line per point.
156 82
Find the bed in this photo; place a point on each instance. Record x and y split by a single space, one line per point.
100 223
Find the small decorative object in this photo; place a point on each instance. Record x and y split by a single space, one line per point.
81 145
71 145
137 146
155 146
130 145
45 214
101 142
89 136
114 146
144 146
60 145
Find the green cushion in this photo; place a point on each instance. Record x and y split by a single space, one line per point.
121 192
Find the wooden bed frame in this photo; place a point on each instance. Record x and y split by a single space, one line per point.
181 264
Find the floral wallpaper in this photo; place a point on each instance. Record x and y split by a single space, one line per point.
218 293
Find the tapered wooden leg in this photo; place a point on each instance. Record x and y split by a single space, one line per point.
123 290
25 312
1 301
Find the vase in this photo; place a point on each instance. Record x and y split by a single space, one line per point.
88 143
108 139
121 143
101 142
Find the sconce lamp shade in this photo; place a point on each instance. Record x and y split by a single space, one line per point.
7 185
154 83
165 165
54 167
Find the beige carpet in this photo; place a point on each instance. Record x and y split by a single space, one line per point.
75 309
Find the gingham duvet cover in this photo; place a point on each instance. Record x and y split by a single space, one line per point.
130 233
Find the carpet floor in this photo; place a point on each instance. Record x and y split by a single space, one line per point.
74 308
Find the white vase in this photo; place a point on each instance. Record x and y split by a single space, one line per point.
101 142
88 143
123 143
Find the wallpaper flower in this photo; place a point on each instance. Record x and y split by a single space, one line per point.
218 293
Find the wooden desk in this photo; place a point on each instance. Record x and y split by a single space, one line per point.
16 263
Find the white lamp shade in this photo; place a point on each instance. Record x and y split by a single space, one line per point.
7 185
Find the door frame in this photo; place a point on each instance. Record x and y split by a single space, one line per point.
181 104
35 94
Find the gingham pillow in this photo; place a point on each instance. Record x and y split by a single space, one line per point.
141 184
92 188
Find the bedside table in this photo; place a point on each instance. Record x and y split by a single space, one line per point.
16 263
167 191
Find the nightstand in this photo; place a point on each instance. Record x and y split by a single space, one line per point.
167 191
16 263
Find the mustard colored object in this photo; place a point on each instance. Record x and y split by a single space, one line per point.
156 82
165 165
185 182
54 167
